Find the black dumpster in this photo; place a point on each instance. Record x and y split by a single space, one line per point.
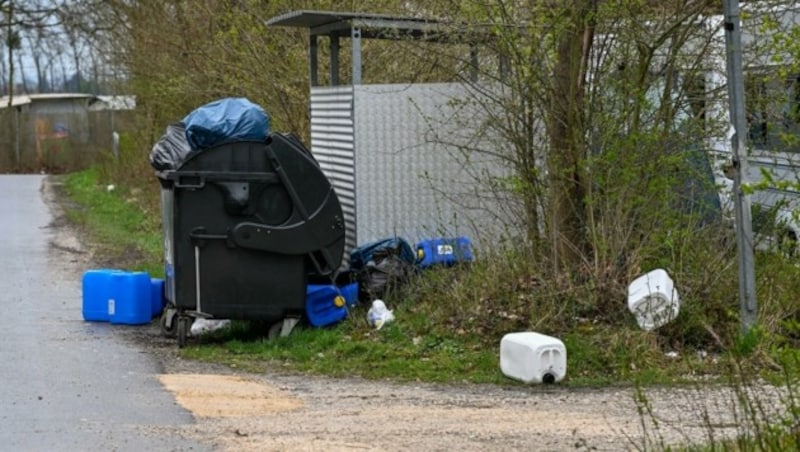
245 224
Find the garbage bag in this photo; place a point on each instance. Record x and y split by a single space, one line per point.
171 150
382 266
202 326
380 248
229 119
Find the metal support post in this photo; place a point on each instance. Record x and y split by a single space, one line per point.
313 60
334 47
744 226
355 36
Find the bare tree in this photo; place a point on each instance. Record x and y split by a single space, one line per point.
20 16
22 77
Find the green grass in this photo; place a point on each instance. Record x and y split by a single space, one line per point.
402 351
118 226
351 348
448 323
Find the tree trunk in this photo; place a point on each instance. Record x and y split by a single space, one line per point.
24 83
36 55
567 138
10 43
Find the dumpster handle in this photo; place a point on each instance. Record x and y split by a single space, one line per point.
197 275
195 186
298 204
202 236
218 176
198 236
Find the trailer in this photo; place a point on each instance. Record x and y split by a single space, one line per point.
772 103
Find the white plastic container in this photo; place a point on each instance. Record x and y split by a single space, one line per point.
652 298
533 357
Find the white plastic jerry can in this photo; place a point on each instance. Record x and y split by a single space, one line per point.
653 300
533 358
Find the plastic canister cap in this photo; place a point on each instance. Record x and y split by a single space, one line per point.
338 301
420 254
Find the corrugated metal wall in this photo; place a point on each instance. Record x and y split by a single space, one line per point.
401 160
419 170
333 145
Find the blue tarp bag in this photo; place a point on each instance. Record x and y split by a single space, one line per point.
230 119
382 266
379 249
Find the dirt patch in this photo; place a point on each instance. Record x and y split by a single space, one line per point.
227 395
354 414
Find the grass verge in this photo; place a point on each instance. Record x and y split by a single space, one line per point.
444 330
420 346
124 235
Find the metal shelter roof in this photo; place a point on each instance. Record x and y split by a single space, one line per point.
375 26
355 26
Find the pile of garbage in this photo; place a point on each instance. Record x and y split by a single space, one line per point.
376 270
383 265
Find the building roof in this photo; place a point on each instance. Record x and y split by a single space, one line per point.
25 99
95 102
113 103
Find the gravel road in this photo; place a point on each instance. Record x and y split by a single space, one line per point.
237 411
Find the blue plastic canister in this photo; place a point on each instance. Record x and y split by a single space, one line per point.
350 293
443 251
96 286
130 299
324 305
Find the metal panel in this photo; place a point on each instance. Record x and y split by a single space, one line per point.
782 167
332 143
414 178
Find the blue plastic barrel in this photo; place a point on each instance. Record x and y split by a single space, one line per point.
130 301
96 286
443 251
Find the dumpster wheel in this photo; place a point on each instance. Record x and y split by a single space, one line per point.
283 328
169 324
184 323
